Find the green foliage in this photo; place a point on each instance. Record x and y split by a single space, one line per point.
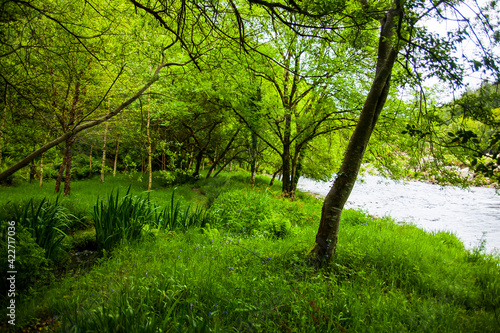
385 277
30 261
120 219
173 217
46 222
255 213
167 178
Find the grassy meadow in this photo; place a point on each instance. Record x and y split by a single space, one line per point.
219 256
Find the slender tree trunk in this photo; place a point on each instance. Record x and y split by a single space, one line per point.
116 154
41 170
60 174
287 131
297 170
274 176
90 157
225 164
218 158
2 124
285 158
199 157
253 153
103 164
150 171
32 171
69 159
327 236
212 168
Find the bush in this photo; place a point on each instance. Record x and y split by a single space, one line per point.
167 178
251 212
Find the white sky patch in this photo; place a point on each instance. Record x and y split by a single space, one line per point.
468 49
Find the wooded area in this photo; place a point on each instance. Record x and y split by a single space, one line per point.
295 88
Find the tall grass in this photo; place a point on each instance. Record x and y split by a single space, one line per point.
117 219
194 282
385 277
45 222
120 219
173 217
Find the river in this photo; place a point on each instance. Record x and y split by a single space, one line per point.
472 214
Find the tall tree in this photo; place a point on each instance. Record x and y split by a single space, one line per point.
103 33
400 40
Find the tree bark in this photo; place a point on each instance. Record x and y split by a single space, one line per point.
199 157
150 171
327 236
103 164
32 171
60 174
69 159
253 153
41 170
2 124
297 169
90 157
116 154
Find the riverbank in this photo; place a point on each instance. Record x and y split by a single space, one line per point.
246 271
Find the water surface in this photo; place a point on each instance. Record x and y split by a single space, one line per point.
470 214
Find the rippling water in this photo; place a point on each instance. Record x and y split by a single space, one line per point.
470 214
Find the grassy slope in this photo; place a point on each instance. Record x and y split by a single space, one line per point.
385 277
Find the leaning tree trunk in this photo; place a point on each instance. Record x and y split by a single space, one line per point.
199 157
327 236
26 160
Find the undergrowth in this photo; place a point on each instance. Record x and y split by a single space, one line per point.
245 270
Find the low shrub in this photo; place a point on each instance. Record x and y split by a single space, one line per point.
251 212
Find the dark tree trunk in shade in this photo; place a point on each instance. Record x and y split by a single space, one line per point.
69 159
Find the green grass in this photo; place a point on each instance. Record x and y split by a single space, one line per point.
385 277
